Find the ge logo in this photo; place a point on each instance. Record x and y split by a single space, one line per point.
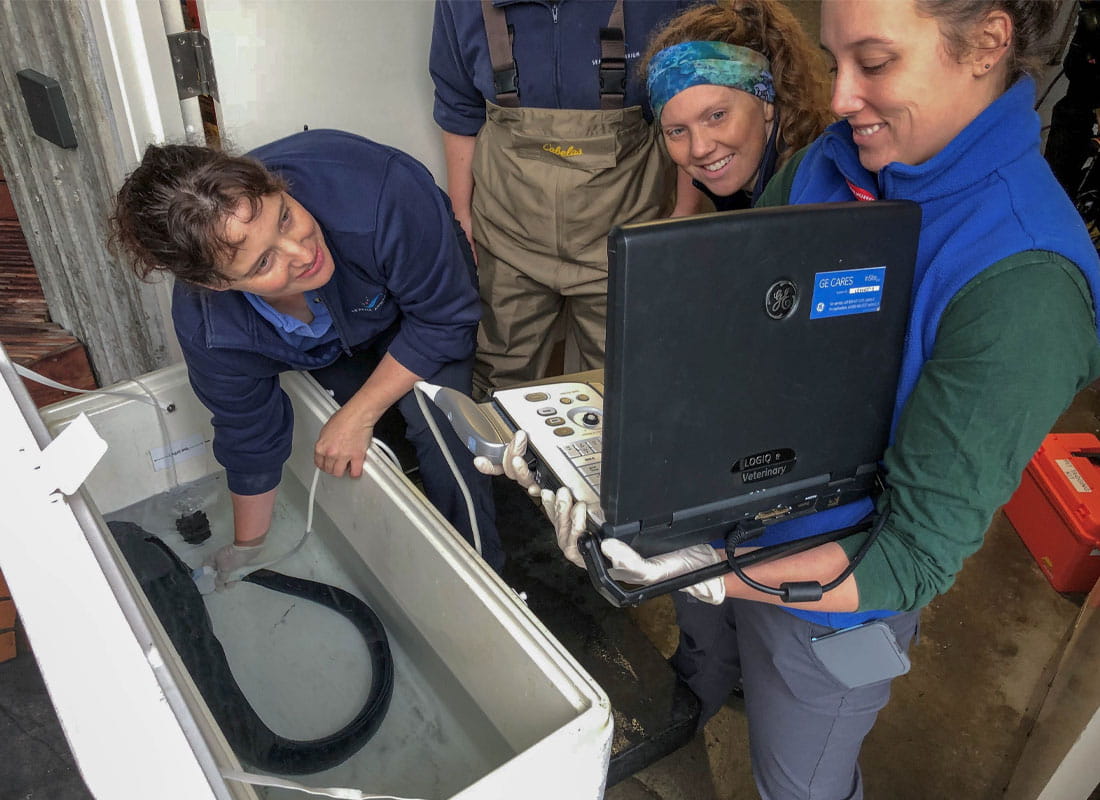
781 299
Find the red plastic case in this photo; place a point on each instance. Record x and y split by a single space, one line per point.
1056 511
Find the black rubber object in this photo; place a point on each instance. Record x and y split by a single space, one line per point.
194 527
167 583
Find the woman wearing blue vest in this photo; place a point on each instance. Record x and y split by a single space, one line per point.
936 105
325 252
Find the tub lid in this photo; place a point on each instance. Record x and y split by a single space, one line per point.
113 694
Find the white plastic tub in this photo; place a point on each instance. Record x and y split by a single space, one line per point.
486 704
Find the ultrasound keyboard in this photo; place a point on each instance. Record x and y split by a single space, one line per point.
564 422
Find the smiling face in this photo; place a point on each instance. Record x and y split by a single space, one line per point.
902 92
717 135
281 251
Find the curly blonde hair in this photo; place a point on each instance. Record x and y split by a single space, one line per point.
769 27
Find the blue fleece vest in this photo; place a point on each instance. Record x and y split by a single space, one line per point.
986 196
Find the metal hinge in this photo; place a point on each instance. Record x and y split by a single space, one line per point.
192 64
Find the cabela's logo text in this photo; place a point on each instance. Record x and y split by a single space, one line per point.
564 152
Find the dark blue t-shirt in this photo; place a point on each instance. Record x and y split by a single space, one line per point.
556 47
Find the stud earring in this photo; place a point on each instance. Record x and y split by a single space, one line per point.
987 66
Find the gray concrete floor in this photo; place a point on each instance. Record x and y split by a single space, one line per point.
35 760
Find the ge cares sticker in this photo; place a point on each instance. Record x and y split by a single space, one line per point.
847 291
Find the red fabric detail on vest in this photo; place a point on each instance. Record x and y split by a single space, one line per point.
859 192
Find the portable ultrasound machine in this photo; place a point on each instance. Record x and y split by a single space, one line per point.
751 374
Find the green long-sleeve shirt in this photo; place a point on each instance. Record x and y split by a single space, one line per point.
1013 348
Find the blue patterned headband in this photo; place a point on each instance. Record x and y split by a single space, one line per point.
693 63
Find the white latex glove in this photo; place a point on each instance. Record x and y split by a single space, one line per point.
628 566
513 464
231 559
568 516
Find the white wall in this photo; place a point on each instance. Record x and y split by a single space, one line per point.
358 65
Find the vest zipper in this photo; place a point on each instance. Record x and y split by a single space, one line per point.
557 53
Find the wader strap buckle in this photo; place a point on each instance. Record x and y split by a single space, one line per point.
612 67
506 81
500 35
613 60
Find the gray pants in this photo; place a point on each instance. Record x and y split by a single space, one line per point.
805 727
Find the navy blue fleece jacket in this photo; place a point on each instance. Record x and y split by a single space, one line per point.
556 48
399 271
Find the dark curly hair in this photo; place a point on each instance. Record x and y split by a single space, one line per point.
1032 21
768 27
170 214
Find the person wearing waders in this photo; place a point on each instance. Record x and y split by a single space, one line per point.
548 142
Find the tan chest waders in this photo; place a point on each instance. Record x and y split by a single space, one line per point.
548 186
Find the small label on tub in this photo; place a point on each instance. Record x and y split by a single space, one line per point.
182 449
1072 475
847 291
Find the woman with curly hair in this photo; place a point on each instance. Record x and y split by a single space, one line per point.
323 252
736 89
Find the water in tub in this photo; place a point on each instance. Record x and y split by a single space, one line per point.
306 670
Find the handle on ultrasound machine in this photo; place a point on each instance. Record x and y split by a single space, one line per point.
612 591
